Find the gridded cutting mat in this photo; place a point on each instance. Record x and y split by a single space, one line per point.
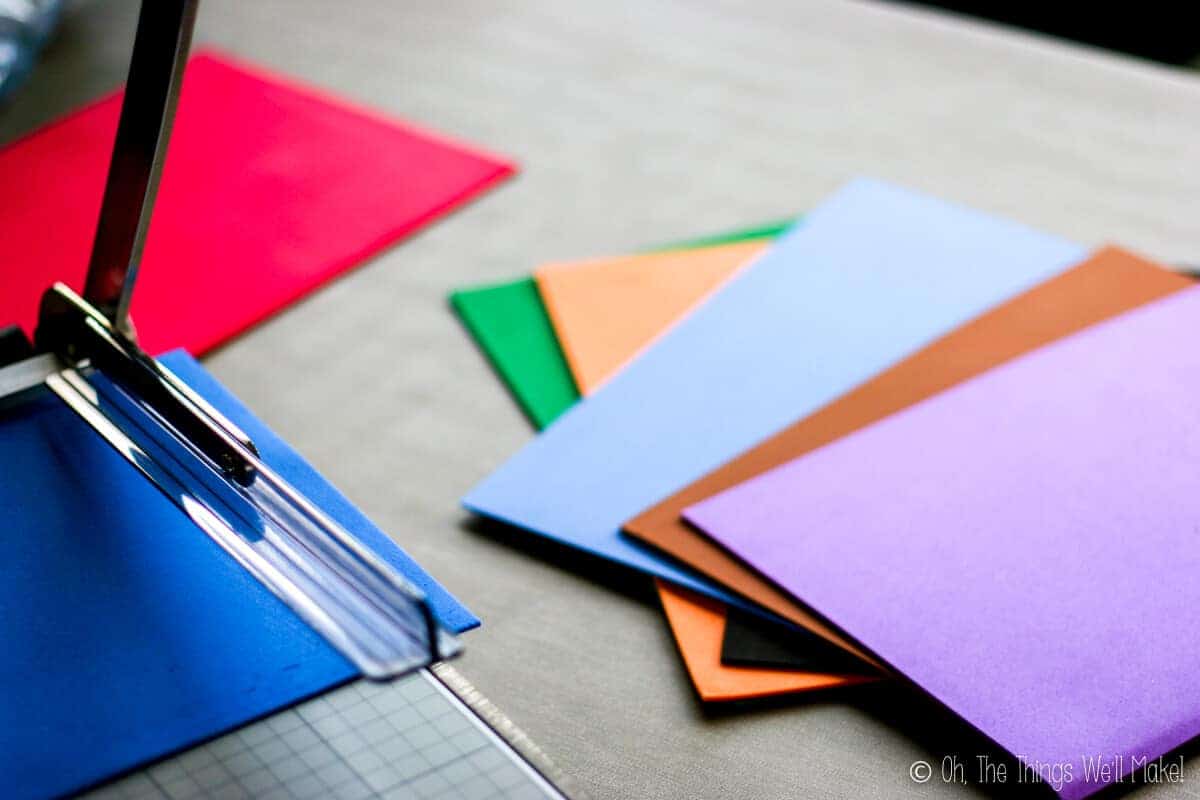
409 739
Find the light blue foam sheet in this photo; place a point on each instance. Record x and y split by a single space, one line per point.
875 272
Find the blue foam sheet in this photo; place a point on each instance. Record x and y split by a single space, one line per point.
127 633
875 273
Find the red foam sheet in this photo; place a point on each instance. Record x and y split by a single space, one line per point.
269 190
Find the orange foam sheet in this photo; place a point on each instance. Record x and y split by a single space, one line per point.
605 311
699 624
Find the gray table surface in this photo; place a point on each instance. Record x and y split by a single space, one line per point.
637 122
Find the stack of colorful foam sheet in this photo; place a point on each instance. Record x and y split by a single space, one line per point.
950 448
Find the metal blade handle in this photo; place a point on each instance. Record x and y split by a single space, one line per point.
160 48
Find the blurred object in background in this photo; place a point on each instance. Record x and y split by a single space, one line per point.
25 25
1160 32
